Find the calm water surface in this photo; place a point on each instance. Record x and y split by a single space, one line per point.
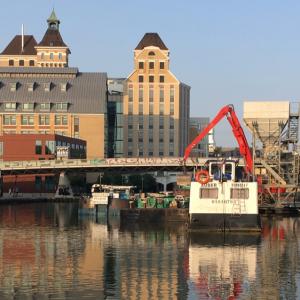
47 252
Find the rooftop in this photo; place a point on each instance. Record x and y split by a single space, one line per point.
151 39
15 46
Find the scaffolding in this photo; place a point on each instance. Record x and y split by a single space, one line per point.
275 130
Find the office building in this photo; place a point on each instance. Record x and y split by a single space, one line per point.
156 104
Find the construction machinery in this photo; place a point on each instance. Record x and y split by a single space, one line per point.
274 127
220 198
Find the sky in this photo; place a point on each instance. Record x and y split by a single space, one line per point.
228 51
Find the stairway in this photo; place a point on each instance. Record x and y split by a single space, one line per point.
293 128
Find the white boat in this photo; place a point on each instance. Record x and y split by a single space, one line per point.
224 200
106 197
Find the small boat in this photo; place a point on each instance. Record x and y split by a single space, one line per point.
106 199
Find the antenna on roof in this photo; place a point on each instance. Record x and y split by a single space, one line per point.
22 38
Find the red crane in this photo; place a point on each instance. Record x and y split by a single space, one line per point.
237 130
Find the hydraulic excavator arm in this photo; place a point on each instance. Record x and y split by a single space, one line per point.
237 130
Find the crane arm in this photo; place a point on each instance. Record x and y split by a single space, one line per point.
237 130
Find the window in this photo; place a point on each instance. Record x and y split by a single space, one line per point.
151 94
161 79
151 108
21 63
141 153
38 147
151 53
161 108
150 153
151 78
239 193
27 120
129 140
141 78
64 86
28 106
31 63
172 109
161 65
45 106
42 55
49 184
61 106
11 62
172 93
61 120
10 106
171 123
38 183
161 153
50 147
151 65
129 153
130 108
76 125
141 65
141 95
209 193
47 86
13 86
9 120
140 108
44 119
130 95
51 56
161 122
60 56
161 95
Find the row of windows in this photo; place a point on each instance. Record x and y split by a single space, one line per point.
151 94
150 153
141 126
151 65
151 78
12 106
29 120
52 55
150 140
50 146
20 63
151 109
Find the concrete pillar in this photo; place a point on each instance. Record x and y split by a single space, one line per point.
64 189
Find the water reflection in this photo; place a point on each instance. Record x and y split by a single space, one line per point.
46 251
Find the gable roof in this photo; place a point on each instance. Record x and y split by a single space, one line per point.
15 46
151 39
52 38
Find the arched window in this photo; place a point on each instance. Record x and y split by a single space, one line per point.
31 63
151 53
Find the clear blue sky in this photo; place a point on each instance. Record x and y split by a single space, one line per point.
228 51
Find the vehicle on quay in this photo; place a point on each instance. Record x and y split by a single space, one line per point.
224 196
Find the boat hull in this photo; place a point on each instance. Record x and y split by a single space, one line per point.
225 222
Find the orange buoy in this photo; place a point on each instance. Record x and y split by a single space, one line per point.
202 177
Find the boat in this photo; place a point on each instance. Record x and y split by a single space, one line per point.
106 199
223 195
226 202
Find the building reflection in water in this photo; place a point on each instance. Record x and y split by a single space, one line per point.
47 252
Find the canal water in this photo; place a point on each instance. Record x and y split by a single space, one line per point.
48 252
